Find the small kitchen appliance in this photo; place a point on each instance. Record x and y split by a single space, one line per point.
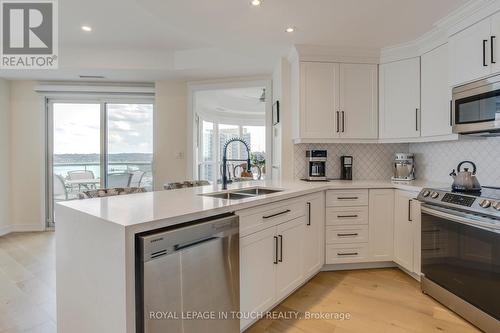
465 181
460 252
346 167
316 160
474 108
404 167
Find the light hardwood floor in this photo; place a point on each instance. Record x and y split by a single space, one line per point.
27 283
381 300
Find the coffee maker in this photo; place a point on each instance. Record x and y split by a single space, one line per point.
346 167
316 160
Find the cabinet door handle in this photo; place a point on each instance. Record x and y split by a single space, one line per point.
347 235
492 45
281 248
277 214
484 52
409 210
347 254
343 121
338 121
308 213
416 119
346 216
348 198
275 250
451 113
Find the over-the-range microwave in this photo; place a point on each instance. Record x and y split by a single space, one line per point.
475 108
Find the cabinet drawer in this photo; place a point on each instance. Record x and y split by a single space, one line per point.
346 253
345 198
347 234
346 215
265 216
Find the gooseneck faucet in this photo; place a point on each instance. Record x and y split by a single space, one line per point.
225 160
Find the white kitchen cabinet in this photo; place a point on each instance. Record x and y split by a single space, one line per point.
313 252
319 101
257 272
404 238
468 60
289 267
381 224
399 100
495 43
358 101
338 101
436 93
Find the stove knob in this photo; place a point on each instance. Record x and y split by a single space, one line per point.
434 195
426 194
496 205
485 203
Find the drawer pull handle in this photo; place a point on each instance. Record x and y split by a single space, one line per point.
348 254
346 216
347 235
277 214
348 198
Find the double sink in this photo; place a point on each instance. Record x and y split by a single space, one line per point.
243 193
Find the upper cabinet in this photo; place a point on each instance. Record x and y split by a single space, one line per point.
399 108
319 101
337 101
474 51
436 93
358 101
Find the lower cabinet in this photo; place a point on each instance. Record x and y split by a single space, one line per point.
404 229
276 260
381 224
313 238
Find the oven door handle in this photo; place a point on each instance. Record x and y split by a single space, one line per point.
462 218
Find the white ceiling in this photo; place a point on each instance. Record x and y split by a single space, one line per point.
195 39
238 102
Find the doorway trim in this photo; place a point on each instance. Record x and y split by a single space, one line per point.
192 133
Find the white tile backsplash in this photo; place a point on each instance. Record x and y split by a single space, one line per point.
371 161
435 160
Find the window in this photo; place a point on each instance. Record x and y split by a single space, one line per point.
214 135
97 144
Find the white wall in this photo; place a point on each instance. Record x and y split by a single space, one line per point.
5 217
283 131
170 132
27 157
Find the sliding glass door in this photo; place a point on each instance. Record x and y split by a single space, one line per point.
97 144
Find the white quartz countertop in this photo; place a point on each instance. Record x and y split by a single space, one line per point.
176 206
184 204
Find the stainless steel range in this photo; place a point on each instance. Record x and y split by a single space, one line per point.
461 253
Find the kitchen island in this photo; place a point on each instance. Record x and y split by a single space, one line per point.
95 243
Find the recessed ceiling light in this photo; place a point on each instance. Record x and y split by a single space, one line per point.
86 28
256 3
290 29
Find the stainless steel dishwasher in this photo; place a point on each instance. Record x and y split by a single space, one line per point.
187 278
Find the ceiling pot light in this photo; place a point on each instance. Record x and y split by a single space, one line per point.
86 28
290 29
256 3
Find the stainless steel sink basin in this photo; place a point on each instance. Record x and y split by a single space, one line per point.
243 193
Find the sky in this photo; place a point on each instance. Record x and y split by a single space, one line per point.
77 128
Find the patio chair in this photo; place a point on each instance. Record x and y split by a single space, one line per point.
137 177
185 184
110 192
60 192
81 175
119 180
